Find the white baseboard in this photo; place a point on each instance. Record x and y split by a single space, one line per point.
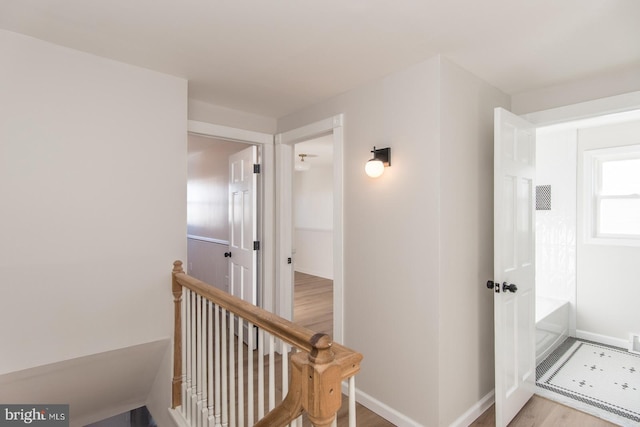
381 409
475 411
400 419
602 339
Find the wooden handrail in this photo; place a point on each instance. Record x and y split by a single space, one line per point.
317 369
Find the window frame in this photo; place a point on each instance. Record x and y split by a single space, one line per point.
593 161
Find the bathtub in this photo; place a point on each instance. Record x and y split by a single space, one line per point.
552 325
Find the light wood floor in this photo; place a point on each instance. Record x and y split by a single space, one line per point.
313 302
541 412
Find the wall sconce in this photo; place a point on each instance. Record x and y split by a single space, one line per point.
381 158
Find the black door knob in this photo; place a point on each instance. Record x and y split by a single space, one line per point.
511 288
227 254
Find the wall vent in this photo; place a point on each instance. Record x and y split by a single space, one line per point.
543 197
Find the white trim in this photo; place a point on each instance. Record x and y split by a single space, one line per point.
208 239
267 202
613 104
385 411
284 272
316 229
593 160
178 418
311 130
475 411
602 339
228 133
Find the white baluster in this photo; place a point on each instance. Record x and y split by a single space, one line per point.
210 362
199 358
218 405
352 401
240 372
250 384
232 371
187 409
194 361
285 369
225 396
272 373
260 374
334 423
184 350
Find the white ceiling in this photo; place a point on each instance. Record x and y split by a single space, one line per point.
275 57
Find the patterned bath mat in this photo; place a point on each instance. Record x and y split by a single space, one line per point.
596 378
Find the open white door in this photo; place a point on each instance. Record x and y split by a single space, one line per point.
243 231
514 264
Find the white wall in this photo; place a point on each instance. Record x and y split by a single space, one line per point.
466 241
418 240
607 274
556 228
313 221
92 178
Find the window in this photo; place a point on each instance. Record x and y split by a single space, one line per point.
614 174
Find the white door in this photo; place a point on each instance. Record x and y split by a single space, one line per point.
514 264
243 225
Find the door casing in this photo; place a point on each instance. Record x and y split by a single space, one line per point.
284 152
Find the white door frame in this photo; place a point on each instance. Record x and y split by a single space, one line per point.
284 143
584 110
266 221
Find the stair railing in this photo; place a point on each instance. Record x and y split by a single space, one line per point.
222 346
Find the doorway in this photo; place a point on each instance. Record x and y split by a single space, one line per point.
214 215
332 128
616 104
312 189
574 309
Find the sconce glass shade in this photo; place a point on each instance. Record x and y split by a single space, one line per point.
374 168
381 159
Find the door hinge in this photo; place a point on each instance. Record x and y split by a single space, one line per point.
256 245
256 168
289 260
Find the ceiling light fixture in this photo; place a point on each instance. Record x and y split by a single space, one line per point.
301 165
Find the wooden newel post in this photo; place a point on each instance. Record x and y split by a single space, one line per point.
321 382
176 288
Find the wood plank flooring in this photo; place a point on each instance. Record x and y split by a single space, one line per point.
541 412
313 302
